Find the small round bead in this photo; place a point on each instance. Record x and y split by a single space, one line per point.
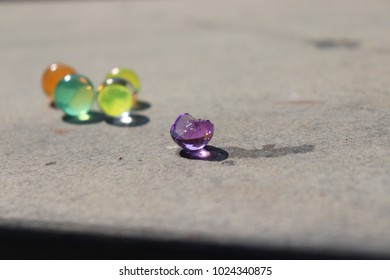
191 134
114 100
115 81
52 75
126 74
74 95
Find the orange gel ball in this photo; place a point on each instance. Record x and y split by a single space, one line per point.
52 75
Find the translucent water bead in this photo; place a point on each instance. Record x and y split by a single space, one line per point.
191 134
128 75
54 73
115 97
74 95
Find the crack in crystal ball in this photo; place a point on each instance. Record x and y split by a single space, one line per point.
191 134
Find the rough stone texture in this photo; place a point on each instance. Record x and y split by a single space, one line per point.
299 92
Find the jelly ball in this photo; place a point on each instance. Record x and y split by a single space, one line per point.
116 81
52 75
114 100
126 74
191 134
74 95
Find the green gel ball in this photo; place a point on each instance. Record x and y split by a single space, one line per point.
126 74
114 100
74 95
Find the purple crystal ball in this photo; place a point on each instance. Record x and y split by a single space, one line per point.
191 134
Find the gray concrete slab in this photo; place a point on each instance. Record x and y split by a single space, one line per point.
310 77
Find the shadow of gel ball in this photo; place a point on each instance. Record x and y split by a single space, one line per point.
89 118
141 105
208 153
130 121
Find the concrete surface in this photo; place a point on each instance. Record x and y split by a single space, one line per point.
299 92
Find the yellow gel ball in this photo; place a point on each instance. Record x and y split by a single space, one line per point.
115 100
126 74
